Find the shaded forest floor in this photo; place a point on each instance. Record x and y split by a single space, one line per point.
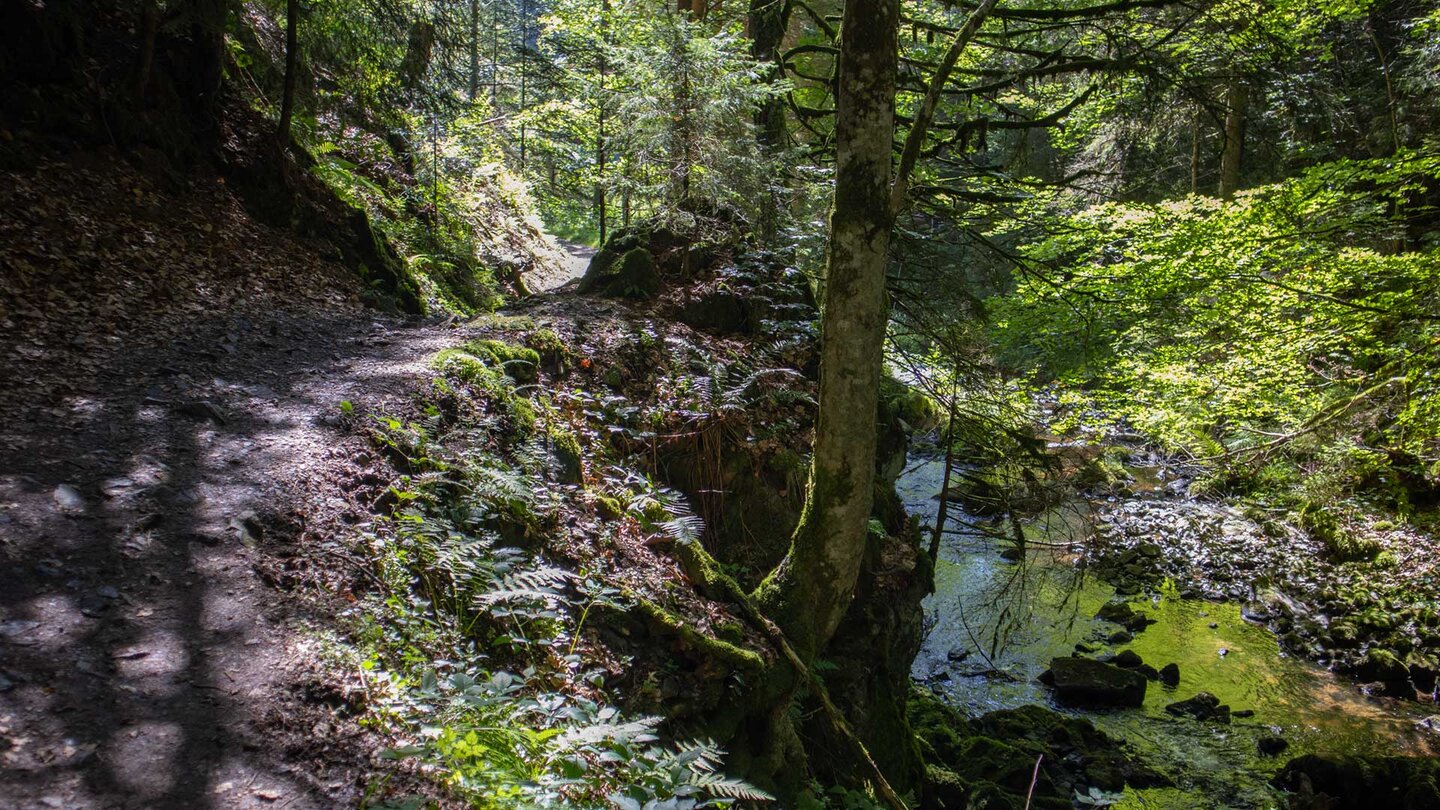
171 388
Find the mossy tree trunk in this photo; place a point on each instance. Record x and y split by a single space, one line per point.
808 594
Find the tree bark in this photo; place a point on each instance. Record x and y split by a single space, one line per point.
292 66
1237 98
809 592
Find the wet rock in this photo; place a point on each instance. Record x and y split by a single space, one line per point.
1127 659
1150 673
1170 674
1120 637
1343 635
93 605
1383 667
1423 670
16 628
1271 745
1086 682
1241 714
1123 614
1204 706
1361 783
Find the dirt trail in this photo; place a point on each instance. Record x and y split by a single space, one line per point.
144 660
578 258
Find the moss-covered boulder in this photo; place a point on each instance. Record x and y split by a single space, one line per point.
1125 615
519 363
554 355
1086 682
1360 783
992 758
623 267
568 458
1204 706
1386 668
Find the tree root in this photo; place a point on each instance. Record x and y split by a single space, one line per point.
706 572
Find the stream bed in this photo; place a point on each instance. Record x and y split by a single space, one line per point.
994 624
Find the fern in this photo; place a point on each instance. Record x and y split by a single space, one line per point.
544 585
684 528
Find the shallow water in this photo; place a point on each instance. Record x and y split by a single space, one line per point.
996 624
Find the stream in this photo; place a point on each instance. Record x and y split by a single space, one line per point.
994 624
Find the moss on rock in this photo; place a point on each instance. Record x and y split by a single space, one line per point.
519 363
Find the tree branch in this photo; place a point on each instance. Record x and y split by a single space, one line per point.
915 140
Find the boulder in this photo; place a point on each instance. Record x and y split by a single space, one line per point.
1123 614
1170 674
719 310
1085 682
1271 745
1384 667
1128 659
1361 783
1204 706
623 267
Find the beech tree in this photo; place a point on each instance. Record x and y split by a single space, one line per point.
808 593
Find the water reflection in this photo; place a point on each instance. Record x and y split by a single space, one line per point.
994 623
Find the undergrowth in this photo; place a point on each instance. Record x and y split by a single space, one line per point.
470 642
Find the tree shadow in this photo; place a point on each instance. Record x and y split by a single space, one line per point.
139 649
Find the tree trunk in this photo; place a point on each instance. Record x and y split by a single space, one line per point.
204 64
809 592
601 204
1195 155
292 65
767 22
1237 98
149 29
474 49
